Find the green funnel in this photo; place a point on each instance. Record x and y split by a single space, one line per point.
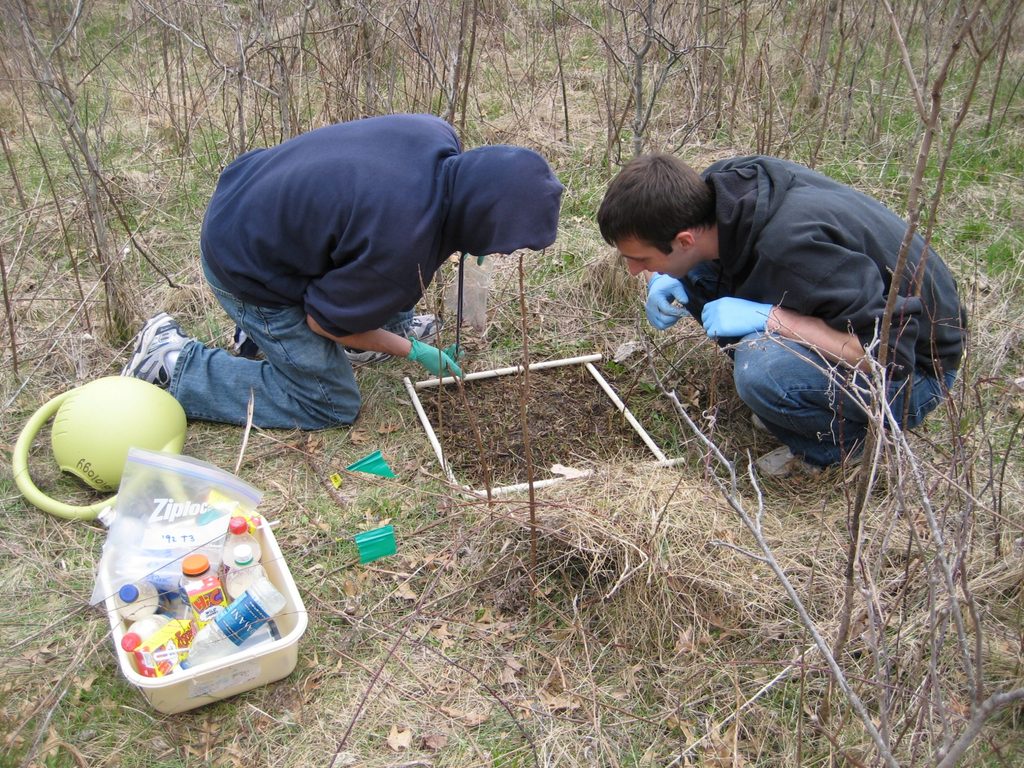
375 544
373 464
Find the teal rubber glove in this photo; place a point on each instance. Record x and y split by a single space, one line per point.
661 292
455 351
433 359
732 317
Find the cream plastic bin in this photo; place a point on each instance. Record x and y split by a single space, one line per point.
186 689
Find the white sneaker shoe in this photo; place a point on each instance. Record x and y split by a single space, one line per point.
245 347
782 463
157 347
422 327
361 357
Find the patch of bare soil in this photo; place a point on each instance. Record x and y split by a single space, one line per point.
570 421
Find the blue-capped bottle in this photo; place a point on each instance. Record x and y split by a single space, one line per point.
137 600
236 623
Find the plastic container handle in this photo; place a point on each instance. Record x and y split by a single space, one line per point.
22 478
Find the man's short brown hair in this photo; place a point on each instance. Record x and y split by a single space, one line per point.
653 198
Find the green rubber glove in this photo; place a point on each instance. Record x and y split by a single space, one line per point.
455 351
433 359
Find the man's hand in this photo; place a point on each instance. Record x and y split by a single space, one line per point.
730 317
455 351
661 292
433 359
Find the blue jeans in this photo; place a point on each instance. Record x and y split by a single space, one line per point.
805 404
808 406
305 382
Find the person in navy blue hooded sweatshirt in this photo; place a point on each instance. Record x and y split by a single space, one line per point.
320 247
790 271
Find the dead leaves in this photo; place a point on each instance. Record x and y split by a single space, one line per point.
724 749
511 668
471 718
405 592
434 742
551 697
570 473
441 634
560 702
400 739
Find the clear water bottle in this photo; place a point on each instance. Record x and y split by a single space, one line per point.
236 623
137 600
243 571
238 533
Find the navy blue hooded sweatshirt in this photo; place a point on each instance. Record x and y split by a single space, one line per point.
793 237
351 221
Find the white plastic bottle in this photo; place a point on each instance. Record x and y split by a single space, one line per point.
156 644
238 533
242 571
236 623
147 625
137 600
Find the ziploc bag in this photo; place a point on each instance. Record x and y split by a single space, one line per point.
168 506
475 289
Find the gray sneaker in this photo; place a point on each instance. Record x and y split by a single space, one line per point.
422 327
364 357
157 347
759 425
782 462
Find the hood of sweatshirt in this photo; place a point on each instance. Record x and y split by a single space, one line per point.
501 199
748 191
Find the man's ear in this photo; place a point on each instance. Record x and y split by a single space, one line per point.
684 238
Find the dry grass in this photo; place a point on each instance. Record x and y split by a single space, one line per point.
633 622
641 630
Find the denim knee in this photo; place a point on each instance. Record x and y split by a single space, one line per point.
786 383
757 384
319 406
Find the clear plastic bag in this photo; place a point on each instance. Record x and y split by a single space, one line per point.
168 506
476 284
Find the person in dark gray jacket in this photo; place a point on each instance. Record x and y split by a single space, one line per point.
790 271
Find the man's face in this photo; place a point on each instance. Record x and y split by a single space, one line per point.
640 255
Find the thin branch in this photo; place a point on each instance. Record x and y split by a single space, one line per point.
732 497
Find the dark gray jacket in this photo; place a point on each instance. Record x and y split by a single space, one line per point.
790 236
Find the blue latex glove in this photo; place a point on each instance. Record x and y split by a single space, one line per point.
734 317
661 292
433 359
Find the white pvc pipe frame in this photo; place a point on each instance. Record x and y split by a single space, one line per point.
586 360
